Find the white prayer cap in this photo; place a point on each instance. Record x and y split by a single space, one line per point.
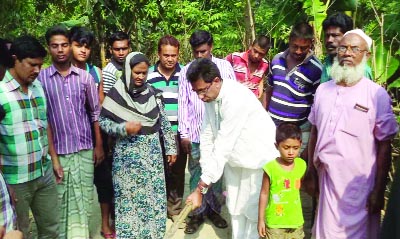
364 36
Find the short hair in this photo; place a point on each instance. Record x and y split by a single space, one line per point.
5 56
263 42
286 131
118 36
82 35
27 47
200 37
168 40
302 30
56 30
202 68
339 19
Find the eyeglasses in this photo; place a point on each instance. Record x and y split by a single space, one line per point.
353 49
204 90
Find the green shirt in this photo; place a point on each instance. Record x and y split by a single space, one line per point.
284 203
23 131
169 89
326 70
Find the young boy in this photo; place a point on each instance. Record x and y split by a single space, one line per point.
81 40
279 213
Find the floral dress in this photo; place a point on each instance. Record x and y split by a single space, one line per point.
139 181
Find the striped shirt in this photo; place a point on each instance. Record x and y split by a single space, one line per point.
23 131
73 105
169 90
239 62
111 73
190 107
293 91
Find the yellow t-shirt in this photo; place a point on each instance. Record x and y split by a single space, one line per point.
284 204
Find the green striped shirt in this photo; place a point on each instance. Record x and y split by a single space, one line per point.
23 131
169 90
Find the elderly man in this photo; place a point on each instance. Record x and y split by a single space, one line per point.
352 126
237 139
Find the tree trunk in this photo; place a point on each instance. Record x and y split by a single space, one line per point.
103 55
250 32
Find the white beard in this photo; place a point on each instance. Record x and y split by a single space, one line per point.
348 74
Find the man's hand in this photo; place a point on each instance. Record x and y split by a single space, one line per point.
171 159
310 182
58 170
261 228
133 127
186 145
375 202
14 234
2 231
98 155
195 198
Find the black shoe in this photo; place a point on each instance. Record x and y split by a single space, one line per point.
193 224
217 220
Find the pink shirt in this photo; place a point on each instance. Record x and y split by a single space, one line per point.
349 120
239 62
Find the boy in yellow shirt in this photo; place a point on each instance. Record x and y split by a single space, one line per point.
280 215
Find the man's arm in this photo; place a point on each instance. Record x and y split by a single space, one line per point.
94 111
385 129
206 143
267 97
383 157
262 204
260 89
311 177
98 149
216 149
57 168
101 89
183 101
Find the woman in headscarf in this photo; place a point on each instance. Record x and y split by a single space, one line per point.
132 111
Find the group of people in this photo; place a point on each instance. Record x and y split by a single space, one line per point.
302 148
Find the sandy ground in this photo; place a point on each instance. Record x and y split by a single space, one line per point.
206 231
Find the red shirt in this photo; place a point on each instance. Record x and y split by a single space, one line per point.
239 62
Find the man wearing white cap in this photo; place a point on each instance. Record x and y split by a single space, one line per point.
352 127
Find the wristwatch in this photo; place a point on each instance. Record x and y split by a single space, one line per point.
203 189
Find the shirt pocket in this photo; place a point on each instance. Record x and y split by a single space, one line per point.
78 93
356 122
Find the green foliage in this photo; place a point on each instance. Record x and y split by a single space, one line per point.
381 20
147 21
384 65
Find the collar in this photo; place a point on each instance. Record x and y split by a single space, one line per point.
116 64
72 69
329 60
308 57
245 56
222 91
12 84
